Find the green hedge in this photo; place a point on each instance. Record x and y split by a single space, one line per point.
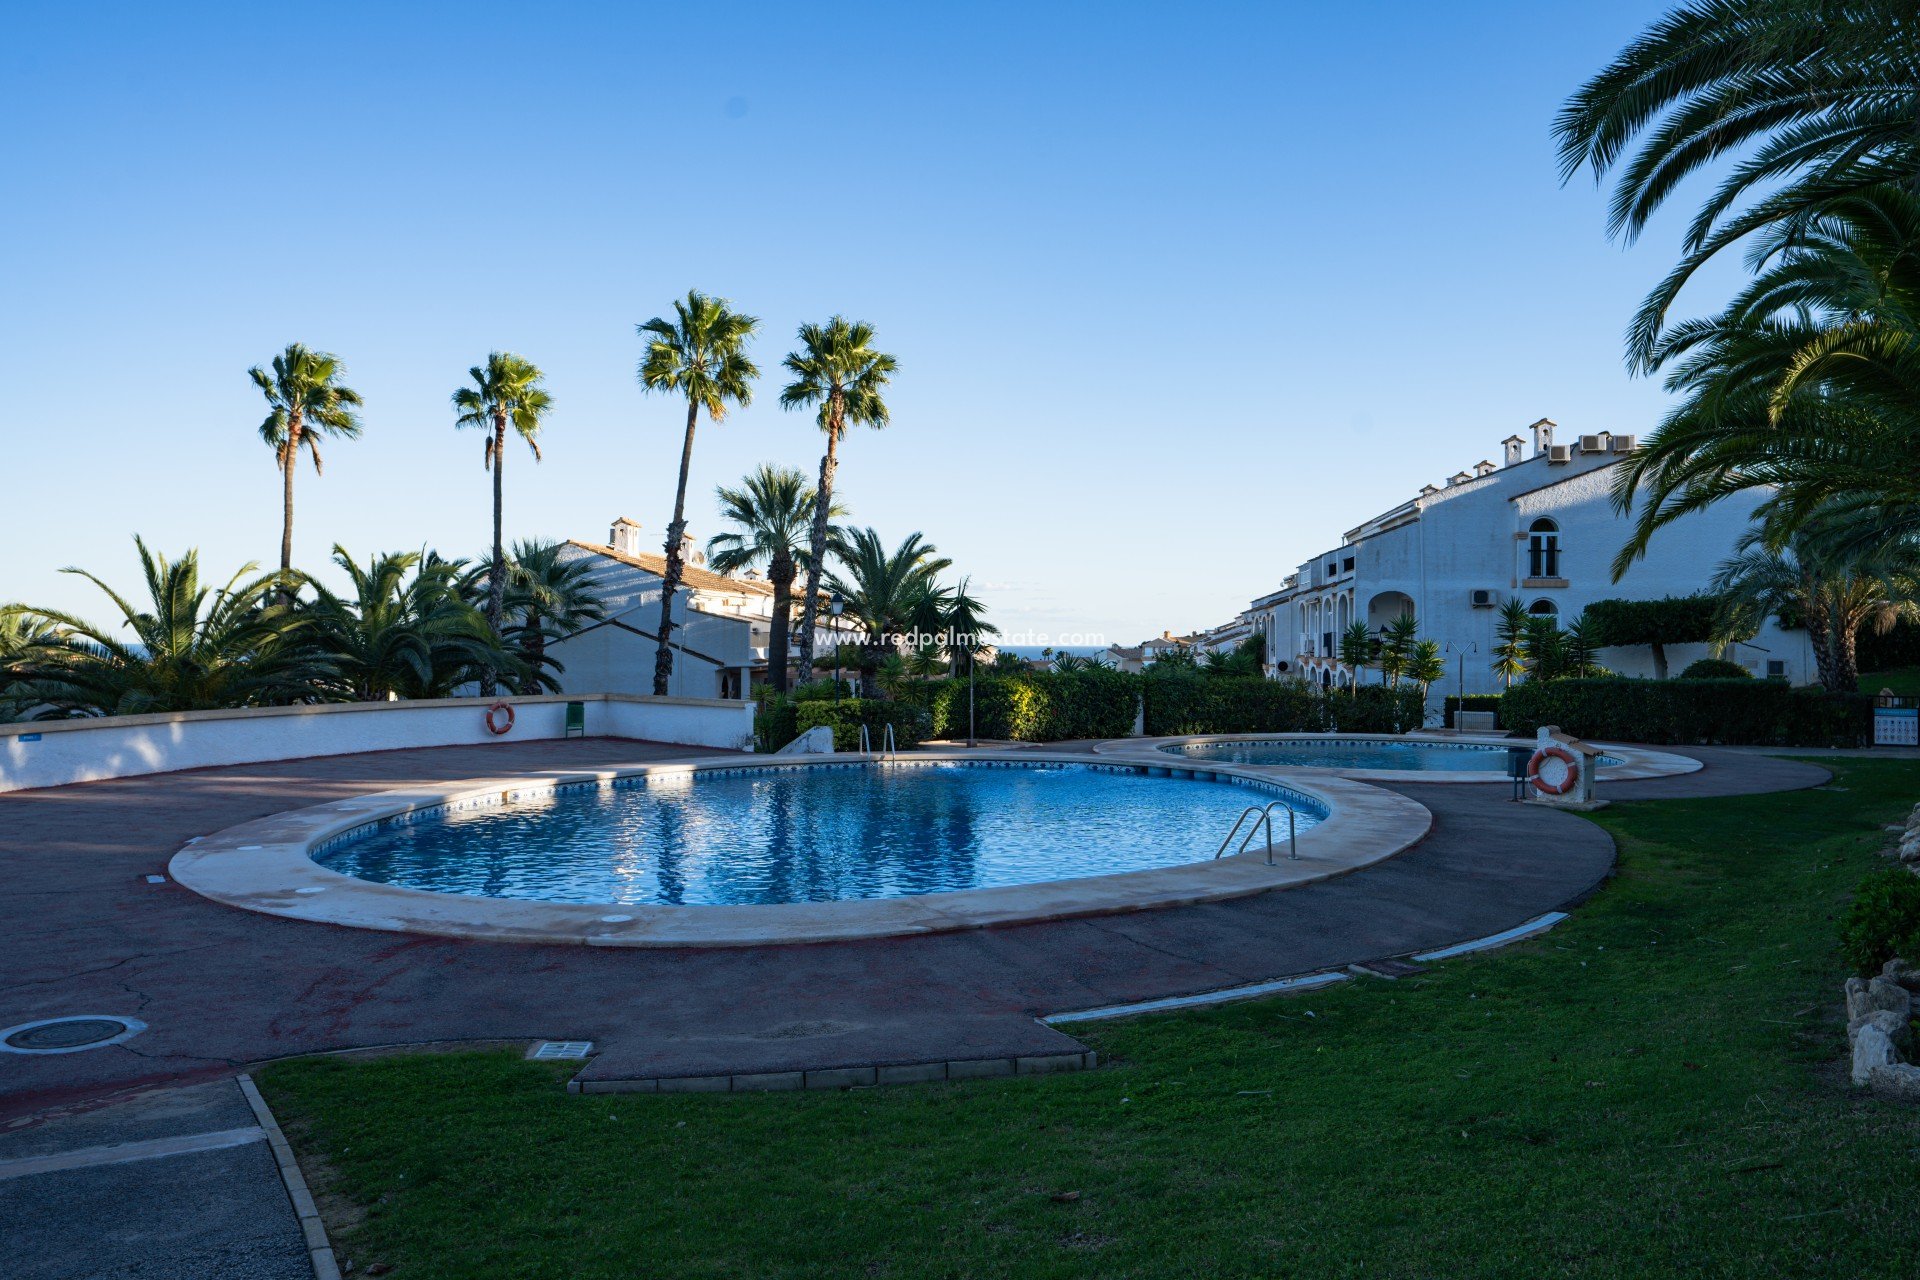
1472 702
1043 707
910 723
1883 922
1185 702
775 724
1715 669
1732 712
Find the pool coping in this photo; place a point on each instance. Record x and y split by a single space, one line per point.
266 866
1636 762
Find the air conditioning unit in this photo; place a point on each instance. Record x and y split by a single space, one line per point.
1559 453
1593 444
1623 444
1482 598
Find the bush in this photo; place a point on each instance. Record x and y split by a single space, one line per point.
1733 712
910 723
1715 669
1884 920
1472 702
775 724
1674 620
1375 709
1181 702
1042 707
1898 646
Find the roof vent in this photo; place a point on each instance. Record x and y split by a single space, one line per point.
625 536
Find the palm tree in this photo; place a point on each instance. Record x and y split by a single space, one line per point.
1425 665
1357 650
963 624
192 648
771 512
305 400
701 355
506 391
1798 100
1835 595
1510 644
837 369
1396 648
548 599
405 630
23 634
1807 384
887 593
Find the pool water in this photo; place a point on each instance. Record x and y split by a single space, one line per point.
811 834
1463 757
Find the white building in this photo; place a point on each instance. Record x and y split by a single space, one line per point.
1541 526
722 623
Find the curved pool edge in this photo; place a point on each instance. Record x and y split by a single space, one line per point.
1637 763
266 866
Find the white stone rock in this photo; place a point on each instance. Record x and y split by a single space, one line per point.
1857 1006
1900 1081
1896 1029
1872 1048
1885 993
1900 971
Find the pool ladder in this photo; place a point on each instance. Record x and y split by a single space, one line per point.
888 751
1261 817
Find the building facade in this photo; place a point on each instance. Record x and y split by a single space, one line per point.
1539 527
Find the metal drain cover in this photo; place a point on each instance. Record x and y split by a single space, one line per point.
69 1035
560 1050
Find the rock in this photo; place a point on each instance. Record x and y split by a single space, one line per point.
1857 1006
1885 993
1872 1048
1897 1030
1898 970
1901 1081
1910 849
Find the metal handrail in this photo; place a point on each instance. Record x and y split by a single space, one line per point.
1262 816
866 741
891 751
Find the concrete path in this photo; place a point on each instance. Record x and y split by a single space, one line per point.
175 1184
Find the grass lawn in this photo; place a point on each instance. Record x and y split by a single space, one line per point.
1655 1088
1902 680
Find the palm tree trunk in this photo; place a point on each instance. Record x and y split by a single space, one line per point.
497 571
817 545
663 654
1820 640
1846 664
288 463
781 571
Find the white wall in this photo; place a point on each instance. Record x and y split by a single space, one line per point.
53 753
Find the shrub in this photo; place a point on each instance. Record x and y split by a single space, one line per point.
1040 707
1735 712
1884 920
1374 709
1674 620
775 724
1898 646
1715 669
910 723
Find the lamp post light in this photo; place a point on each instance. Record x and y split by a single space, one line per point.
836 606
972 741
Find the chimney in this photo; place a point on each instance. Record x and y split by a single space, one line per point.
1484 468
1512 446
625 536
1542 436
690 552
1458 477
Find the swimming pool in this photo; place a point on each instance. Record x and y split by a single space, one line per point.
820 833
1361 753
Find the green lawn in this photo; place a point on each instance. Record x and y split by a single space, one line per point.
1655 1088
1902 680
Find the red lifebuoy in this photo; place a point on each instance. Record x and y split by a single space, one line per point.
1571 772
504 720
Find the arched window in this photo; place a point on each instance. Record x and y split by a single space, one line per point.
1544 609
1543 549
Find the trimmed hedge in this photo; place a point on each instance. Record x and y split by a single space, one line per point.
910 723
1043 707
776 723
1183 702
1898 646
1715 669
1682 712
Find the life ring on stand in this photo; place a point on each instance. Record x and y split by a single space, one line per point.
1538 772
499 718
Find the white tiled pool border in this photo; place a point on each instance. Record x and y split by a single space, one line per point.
1635 762
267 865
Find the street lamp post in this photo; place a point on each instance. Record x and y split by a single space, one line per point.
836 606
971 740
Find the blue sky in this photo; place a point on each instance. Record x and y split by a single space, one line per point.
1178 292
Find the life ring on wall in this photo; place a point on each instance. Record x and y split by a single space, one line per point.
1537 771
499 718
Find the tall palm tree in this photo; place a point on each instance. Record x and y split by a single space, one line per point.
699 354
192 647
1798 101
771 512
838 370
887 593
305 400
506 391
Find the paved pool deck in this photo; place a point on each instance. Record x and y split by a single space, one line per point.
82 931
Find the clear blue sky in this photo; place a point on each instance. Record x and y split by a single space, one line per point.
1178 292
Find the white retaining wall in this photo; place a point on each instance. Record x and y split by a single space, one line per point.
55 752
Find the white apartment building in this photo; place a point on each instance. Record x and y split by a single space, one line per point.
1539 526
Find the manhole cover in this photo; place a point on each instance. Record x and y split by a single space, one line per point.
68 1035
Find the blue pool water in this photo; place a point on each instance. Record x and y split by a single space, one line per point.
1360 754
812 834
